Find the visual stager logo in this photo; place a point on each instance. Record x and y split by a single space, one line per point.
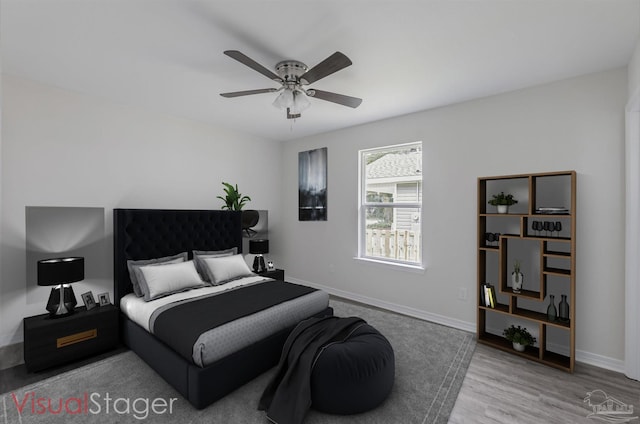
29 403
608 409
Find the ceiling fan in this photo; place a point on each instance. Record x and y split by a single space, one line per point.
292 77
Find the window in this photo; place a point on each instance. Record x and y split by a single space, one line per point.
390 204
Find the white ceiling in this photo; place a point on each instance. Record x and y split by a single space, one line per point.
167 55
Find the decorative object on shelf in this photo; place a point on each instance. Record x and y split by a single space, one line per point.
233 199
270 266
517 278
519 337
89 301
60 272
491 238
563 307
502 202
103 299
536 226
250 219
552 313
543 210
489 293
558 227
259 248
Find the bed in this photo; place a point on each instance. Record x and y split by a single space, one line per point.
154 233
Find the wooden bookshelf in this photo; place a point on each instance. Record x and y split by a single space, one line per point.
555 266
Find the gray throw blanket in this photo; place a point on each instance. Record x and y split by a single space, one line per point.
287 397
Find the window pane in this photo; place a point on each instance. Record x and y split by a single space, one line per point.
393 232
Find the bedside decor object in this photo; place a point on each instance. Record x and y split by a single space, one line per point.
60 272
103 299
563 309
519 337
233 199
517 278
270 266
259 248
89 301
552 313
502 202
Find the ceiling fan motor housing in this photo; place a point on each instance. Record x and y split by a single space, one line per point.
291 70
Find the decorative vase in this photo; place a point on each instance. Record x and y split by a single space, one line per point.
519 347
552 313
503 208
563 308
517 279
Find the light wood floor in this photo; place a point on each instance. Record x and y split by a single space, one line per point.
504 388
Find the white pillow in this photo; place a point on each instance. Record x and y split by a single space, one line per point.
199 255
162 280
226 268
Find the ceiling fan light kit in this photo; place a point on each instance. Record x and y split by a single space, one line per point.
292 75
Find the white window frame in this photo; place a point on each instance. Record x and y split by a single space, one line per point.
363 205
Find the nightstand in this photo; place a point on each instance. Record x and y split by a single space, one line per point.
276 274
54 341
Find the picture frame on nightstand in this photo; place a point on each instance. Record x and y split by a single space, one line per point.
89 300
103 299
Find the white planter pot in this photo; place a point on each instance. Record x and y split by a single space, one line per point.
519 347
503 208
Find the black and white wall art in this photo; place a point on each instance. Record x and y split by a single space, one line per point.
312 185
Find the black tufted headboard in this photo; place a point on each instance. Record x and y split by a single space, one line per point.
154 233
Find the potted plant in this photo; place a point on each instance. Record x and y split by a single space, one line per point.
502 202
234 200
517 278
519 337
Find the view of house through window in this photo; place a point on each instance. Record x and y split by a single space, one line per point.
391 203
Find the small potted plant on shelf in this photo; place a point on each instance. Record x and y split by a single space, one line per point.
517 278
519 337
233 199
502 202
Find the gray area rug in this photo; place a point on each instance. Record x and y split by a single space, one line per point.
431 362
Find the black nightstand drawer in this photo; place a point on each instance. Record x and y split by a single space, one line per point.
53 341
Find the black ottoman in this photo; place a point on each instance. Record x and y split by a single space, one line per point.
355 375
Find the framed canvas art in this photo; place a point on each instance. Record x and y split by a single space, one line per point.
312 185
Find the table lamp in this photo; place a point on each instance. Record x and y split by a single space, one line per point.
259 248
60 272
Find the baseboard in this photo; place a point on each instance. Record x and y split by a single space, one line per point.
589 358
390 306
11 355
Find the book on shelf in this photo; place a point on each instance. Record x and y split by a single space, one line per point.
489 295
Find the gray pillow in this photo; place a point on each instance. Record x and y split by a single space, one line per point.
200 255
132 265
226 268
159 280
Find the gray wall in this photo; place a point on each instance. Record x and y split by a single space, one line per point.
574 124
61 148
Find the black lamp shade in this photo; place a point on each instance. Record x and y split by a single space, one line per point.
259 247
55 271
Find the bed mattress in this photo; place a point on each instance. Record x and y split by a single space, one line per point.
218 342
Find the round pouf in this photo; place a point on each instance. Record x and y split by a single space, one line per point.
355 375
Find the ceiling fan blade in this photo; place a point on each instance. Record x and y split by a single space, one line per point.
335 98
248 92
332 64
246 60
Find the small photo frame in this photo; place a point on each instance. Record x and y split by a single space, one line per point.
88 300
270 266
103 299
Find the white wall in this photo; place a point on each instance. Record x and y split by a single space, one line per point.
61 148
574 124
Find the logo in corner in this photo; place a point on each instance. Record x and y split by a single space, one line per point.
608 409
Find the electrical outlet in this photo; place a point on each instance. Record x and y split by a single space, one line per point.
462 293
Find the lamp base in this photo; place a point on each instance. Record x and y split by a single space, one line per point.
58 309
258 264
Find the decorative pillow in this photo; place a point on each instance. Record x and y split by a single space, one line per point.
199 255
164 280
226 268
132 265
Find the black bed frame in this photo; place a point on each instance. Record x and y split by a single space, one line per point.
153 233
